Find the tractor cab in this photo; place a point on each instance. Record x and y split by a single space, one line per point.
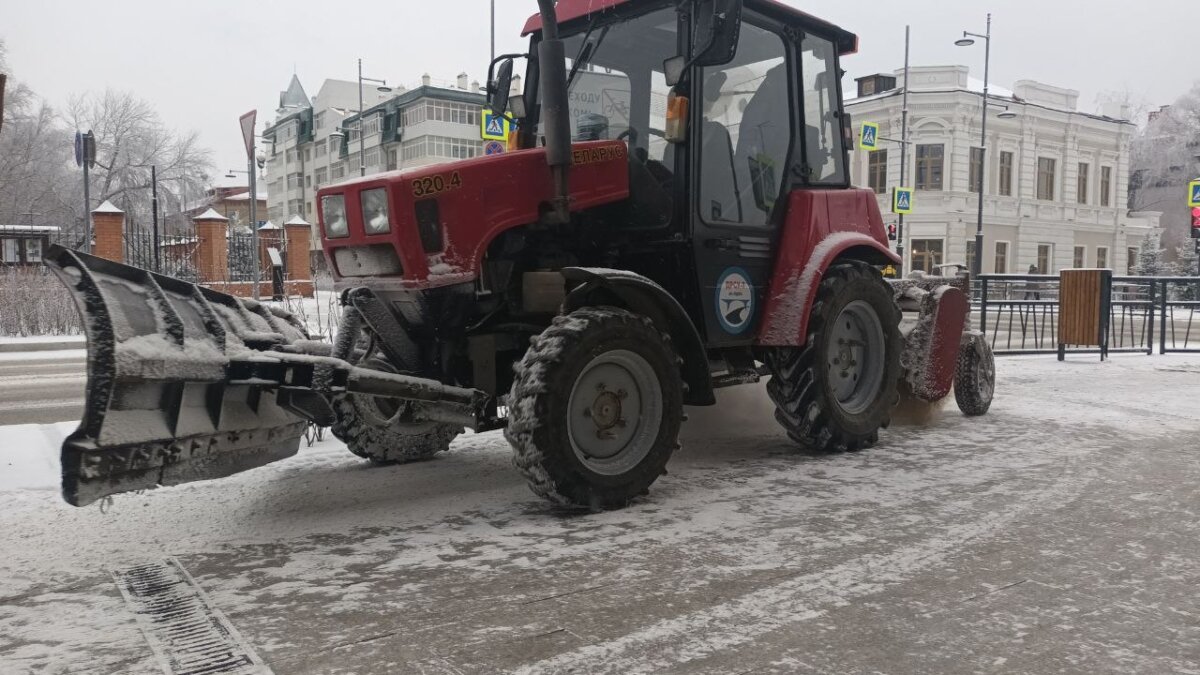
725 108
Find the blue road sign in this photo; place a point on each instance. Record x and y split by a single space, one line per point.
1194 194
869 138
492 126
902 200
493 148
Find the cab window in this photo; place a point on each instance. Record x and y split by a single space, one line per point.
824 154
746 131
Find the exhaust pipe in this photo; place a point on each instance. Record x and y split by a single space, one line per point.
555 109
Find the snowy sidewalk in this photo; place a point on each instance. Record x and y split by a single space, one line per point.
1059 533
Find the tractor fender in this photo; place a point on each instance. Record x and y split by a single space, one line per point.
597 286
794 286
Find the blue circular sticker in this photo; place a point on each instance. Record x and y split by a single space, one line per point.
735 300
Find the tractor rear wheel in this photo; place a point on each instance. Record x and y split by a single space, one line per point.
384 430
838 390
595 408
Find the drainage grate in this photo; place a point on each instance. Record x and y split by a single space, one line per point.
188 635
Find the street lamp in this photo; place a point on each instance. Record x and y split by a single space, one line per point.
966 41
382 88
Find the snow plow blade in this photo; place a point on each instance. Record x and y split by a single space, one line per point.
186 383
932 340
159 407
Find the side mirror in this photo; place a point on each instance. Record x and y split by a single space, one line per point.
718 25
673 70
499 86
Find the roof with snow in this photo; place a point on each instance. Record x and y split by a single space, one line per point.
294 97
210 215
245 196
29 229
107 207
297 220
269 226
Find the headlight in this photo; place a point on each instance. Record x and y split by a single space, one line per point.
333 209
375 211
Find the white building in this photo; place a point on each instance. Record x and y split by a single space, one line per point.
1056 179
315 142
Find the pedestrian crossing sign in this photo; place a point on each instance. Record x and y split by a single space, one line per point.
902 200
493 127
868 138
1194 194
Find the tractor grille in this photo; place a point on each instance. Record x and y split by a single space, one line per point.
187 634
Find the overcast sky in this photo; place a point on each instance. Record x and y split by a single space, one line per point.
205 63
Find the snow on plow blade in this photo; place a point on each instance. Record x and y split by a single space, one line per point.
162 408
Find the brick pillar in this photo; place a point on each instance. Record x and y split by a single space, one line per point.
212 251
108 231
299 265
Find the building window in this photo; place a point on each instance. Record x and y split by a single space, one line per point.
321 176
338 170
391 159
1102 257
975 177
371 157
289 156
877 165
929 166
308 181
927 254
11 252
371 126
1006 174
335 145
1081 189
1131 260
1001 261
441 111
970 254
319 120
307 155
295 180
1045 259
309 208
321 148
1106 186
1045 179
1080 257
295 207
441 146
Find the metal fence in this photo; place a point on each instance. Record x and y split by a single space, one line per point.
172 255
244 262
1019 313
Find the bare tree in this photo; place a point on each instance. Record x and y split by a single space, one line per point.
34 176
130 138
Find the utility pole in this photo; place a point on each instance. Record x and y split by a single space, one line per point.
903 152
154 215
493 30
362 163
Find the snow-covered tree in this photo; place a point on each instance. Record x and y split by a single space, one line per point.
1150 259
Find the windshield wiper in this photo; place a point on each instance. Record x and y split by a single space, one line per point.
586 50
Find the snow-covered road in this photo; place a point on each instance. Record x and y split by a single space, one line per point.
1058 534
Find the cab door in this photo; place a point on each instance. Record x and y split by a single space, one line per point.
742 135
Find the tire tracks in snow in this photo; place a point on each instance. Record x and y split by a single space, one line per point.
690 637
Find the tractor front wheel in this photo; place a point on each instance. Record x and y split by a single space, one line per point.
595 408
838 390
381 429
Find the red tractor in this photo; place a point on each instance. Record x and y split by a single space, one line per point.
675 216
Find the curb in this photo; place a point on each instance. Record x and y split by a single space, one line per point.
11 347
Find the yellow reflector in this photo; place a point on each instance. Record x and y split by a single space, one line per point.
677 111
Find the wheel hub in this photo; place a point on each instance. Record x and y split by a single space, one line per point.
856 353
605 412
614 412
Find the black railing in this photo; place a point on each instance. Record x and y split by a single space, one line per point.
244 263
1019 313
175 255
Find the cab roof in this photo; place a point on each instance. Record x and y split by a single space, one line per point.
570 10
